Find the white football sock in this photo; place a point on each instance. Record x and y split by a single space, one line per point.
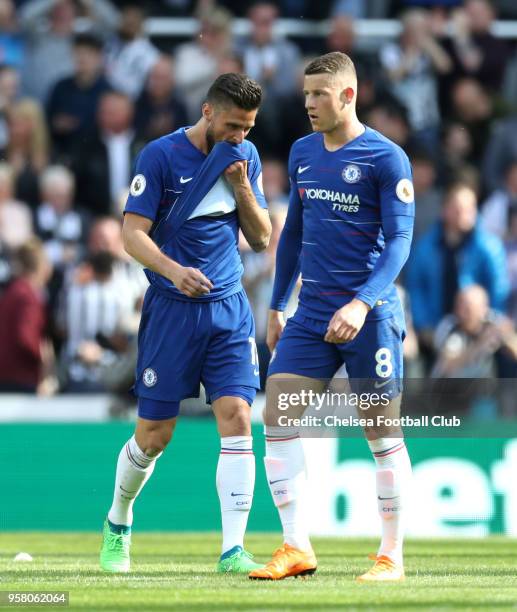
235 481
393 479
286 475
134 468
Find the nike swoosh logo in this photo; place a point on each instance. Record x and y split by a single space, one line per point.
384 498
275 481
378 385
239 494
185 180
302 169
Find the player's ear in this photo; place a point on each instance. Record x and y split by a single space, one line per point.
207 111
348 95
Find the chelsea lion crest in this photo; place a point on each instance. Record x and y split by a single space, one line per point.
351 173
149 377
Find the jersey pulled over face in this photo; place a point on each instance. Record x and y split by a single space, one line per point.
208 240
341 199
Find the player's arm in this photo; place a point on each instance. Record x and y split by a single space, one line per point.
137 242
253 220
287 263
397 216
145 194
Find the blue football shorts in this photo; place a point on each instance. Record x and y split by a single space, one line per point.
373 359
184 343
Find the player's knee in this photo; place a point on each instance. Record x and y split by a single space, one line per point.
241 419
236 418
156 438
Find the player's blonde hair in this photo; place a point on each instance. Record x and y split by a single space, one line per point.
332 63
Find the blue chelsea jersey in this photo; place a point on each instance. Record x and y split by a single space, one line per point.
208 240
342 199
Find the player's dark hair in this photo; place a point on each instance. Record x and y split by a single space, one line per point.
331 63
236 89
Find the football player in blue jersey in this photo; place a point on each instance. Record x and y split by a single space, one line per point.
192 191
348 229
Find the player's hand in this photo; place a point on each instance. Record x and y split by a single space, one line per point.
347 322
275 327
191 281
237 174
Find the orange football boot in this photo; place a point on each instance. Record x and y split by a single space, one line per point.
383 570
287 561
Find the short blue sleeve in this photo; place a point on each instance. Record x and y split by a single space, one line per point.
395 180
255 177
147 187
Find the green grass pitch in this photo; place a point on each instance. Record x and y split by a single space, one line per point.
175 571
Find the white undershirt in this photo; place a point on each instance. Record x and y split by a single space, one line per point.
218 201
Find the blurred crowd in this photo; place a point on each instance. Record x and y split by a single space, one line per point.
83 88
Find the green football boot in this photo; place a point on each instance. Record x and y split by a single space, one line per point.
237 561
114 555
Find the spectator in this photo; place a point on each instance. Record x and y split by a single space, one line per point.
49 27
410 66
453 253
230 62
99 309
342 37
92 308
27 149
15 216
467 340
197 62
9 89
102 162
275 181
292 116
500 149
428 195
73 101
472 343
390 120
455 152
106 236
131 55
473 108
60 226
495 212
12 45
475 52
271 60
159 110
23 322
